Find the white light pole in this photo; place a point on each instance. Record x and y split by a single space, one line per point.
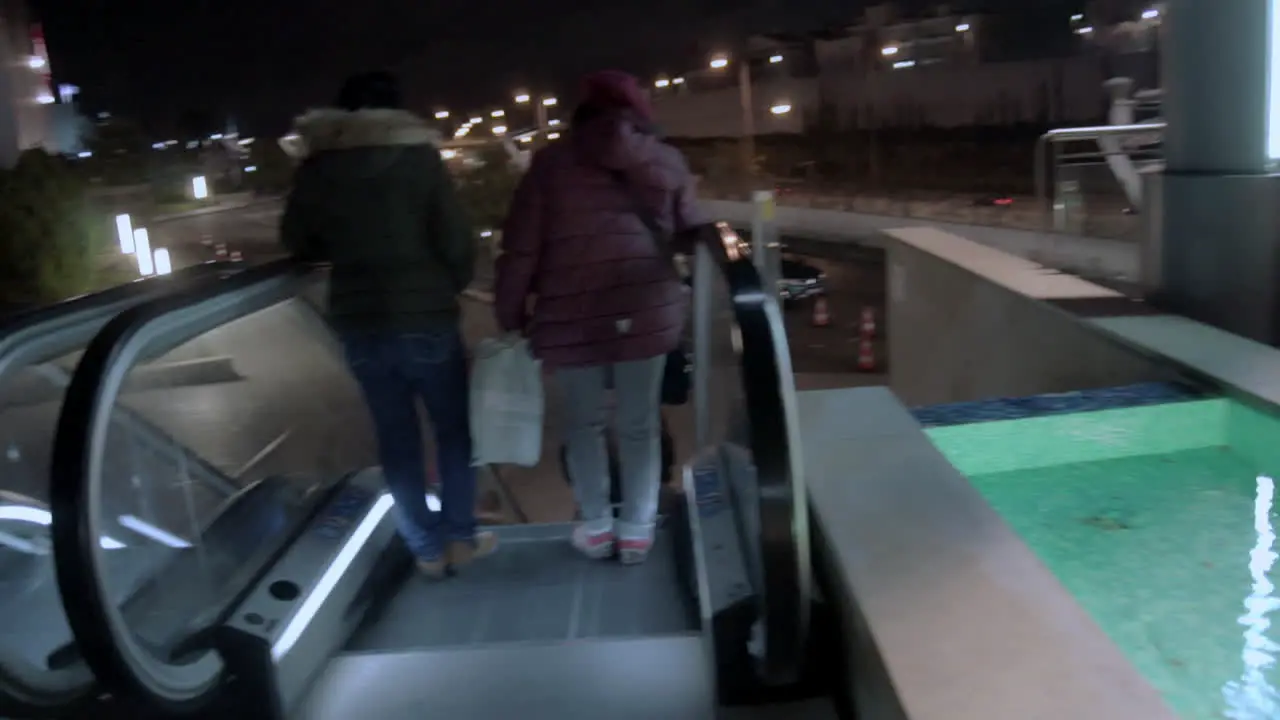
124 232
142 249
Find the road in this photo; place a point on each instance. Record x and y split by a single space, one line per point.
251 231
854 283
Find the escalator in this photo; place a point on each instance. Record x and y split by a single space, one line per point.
308 608
39 350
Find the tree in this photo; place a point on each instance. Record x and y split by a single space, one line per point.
51 244
273 168
485 187
119 150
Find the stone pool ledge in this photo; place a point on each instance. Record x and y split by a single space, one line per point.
974 322
952 616
970 322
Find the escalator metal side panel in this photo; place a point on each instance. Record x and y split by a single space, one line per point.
639 678
716 571
312 599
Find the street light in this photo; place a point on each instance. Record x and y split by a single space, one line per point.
781 108
775 59
719 62
661 83
442 114
522 98
678 81
549 102
1151 14
889 50
962 27
475 120
499 129
497 113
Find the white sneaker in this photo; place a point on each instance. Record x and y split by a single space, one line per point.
595 544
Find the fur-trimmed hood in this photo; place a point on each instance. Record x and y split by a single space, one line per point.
335 129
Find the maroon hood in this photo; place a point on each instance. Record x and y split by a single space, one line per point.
618 90
616 139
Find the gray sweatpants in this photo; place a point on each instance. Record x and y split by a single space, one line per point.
636 385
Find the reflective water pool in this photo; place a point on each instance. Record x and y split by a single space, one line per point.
1160 520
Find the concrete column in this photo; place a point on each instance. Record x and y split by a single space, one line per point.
1220 226
1215 70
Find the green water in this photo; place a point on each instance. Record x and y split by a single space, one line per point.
1160 521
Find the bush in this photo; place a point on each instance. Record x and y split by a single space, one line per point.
51 243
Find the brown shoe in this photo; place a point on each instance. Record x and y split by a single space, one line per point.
463 552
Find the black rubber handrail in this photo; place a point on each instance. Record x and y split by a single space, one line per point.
785 579
138 290
105 643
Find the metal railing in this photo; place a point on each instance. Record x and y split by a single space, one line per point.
1108 137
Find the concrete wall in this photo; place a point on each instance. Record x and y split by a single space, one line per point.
971 322
1067 91
1060 92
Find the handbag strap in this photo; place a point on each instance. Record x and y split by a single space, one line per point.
659 235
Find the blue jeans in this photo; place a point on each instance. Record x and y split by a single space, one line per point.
396 369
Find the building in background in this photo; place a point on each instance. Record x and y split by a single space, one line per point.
711 101
938 68
26 91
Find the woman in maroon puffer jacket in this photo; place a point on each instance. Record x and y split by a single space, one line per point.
608 301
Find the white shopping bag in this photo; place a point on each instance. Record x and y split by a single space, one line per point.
506 403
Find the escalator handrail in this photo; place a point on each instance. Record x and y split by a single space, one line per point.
768 388
36 336
104 641
48 332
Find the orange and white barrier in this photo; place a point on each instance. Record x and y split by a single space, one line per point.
867 325
866 355
821 313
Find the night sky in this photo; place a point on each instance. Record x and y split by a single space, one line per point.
263 61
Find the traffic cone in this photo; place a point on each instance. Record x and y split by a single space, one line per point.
866 355
867 327
821 316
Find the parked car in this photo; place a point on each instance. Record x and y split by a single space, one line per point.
800 280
